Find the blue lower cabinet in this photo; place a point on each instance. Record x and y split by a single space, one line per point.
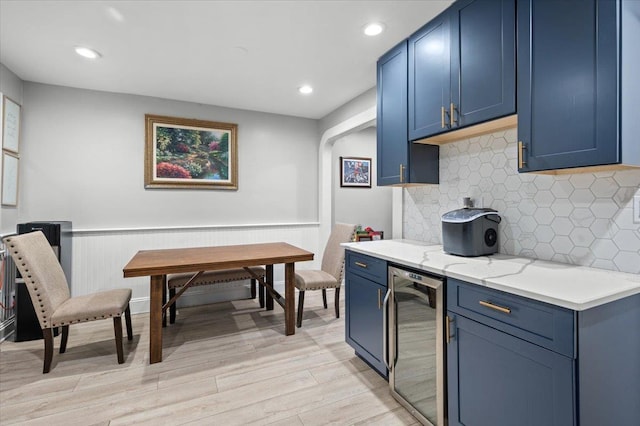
515 361
364 319
495 379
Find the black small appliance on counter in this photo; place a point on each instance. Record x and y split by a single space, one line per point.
470 231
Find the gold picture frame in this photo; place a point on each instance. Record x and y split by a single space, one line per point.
190 153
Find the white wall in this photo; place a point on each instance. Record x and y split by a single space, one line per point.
364 206
352 108
83 160
11 86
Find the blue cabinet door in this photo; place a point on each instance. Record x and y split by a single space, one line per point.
495 379
483 65
429 78
364 319
393 146
568 109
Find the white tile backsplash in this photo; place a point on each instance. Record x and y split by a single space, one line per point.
584 219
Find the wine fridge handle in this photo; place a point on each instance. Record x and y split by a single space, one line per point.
385 330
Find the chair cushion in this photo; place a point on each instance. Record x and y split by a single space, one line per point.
315 280
106 304
215 277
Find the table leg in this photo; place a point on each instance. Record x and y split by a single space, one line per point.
289 298
269 280
155 318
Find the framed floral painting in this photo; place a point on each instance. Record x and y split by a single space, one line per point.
189 153
355 172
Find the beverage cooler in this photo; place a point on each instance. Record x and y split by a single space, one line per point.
59 236
416 359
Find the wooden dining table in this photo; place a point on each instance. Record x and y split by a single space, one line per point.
157 264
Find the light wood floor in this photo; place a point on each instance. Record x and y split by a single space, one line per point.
224 364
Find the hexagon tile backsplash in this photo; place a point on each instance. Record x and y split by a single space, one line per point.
584 219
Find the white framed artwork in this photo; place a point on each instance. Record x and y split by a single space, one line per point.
10 124
9 179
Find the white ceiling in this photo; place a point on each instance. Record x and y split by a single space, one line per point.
241 54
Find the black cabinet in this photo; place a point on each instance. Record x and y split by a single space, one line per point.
462 68
366 287
574 83
399 162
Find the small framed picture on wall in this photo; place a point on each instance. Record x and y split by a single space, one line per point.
10 124
9 179
355 172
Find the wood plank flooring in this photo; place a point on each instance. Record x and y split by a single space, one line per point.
223 364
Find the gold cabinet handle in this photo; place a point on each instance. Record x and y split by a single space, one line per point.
401 173
521 148
360 264
447 323
452 114
495 307
442 123
379 299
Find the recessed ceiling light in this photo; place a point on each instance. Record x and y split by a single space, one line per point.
305 90
87 53
373 29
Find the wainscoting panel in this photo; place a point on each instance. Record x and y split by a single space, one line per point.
100 255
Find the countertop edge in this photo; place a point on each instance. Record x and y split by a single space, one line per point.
501 282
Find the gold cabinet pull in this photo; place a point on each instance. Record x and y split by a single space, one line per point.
379 299
447 323
452 114
401 173
521 148
495 307
442 123
360 264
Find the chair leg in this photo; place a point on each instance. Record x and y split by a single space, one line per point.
253 288
338 302
117 328
65 337
172 308
324 297
48 349
300 307
127 320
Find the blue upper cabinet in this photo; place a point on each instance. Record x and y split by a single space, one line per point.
483 64
392 115
399 162
429 78
462 68
569 79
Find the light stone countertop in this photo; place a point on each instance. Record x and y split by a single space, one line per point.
570 286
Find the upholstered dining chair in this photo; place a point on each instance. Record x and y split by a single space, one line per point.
331 270
51 299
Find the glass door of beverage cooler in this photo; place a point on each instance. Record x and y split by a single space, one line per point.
416 358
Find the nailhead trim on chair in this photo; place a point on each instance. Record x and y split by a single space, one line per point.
60 324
